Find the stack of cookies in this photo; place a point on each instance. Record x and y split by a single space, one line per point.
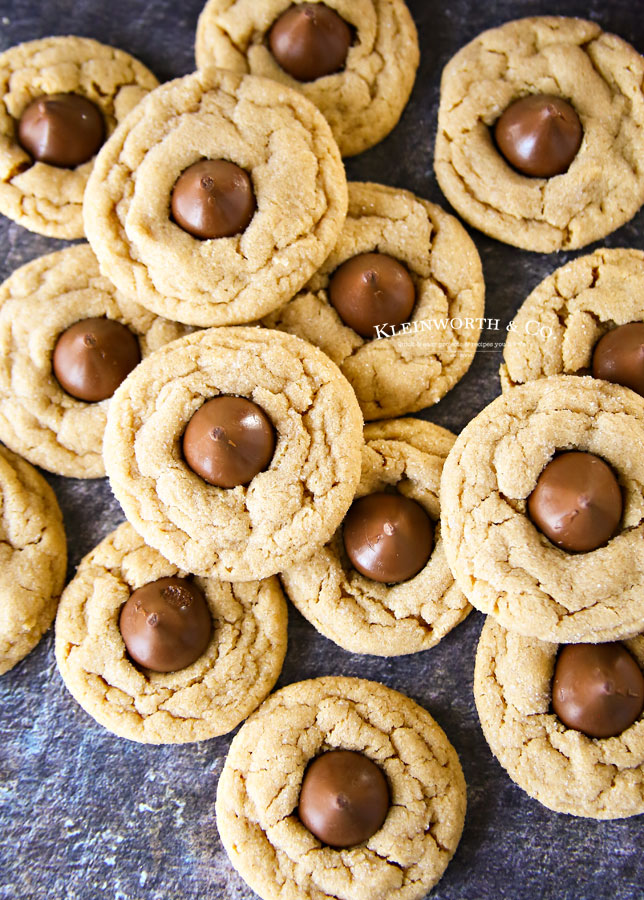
239 312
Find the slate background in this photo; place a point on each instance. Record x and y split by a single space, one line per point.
87 816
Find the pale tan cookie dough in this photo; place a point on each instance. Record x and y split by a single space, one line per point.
359 614
406 372
40 300
557 328
601 76
236 671
270 131
503 564
364 101
287 511
49 199
259 788
601 778
33 558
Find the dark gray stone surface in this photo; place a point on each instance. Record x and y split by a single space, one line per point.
86 816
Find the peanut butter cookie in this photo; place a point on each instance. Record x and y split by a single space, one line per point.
397 368
494 514
33 558
559 326
560 766
278 185
39 303
60 95
259 792
362 615
239 666
592 191
359 74
260 524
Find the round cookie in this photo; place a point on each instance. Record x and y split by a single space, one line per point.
503 564
210 697
33 558
559 325
287 511
360 614
258 791
45 198
600 75
558 766
271 132
43 298
364 100
415 367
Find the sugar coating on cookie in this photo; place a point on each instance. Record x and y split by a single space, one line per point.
286 511
357 613
39 301
600 75
558 766
258 793
44 198
281 142
209 697
405 368
364 100
33 558
560 323
505 566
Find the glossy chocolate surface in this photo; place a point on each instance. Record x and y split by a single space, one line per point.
344 798
166 625
388 537
577 502
63 130
539 135
93 356
619 356
372 289
310 40
228 441
597 689
213 198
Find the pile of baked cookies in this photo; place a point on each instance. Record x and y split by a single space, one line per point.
238 314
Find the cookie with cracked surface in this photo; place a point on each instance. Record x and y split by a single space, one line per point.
42 196
236 671
38 302
358 613
507 567
601 76
414 368
33 557
280 142
286 511
364 100
258 792
560 324
561 767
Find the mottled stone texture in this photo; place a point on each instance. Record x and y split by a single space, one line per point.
86 816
